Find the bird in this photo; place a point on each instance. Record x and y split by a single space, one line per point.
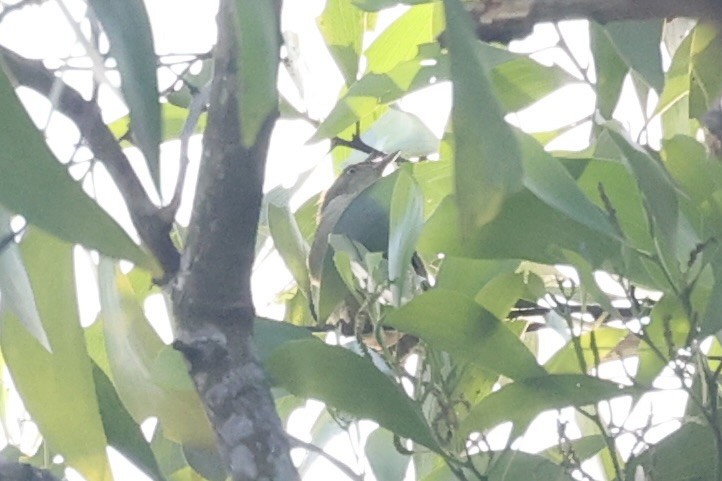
360 218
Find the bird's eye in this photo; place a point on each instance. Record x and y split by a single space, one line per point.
351 170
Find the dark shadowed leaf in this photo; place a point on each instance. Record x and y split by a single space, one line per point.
131 43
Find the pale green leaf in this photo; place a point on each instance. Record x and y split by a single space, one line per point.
342 26
71 422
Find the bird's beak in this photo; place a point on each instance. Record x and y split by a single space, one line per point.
380 165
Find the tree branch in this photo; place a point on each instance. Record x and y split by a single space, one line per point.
212 302
152 226
504 20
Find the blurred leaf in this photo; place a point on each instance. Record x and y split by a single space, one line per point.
502 292
583 448
269 335
349 382
610 69
259 39
453 322
400 42
406 218
515 465
131 43
290 244
173 118
658 192
144 370
705 76
376 5
16 293
487 156
469 276
673 103
342 26
123 433
57 388
687 454
547 178
387 463
638 45
365 96
521 401
503 238
596 346
37 186
667 331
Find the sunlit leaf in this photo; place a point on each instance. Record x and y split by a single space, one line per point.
310 368
71 423
400 42
342 26
33 183
131 43
593 348
704 64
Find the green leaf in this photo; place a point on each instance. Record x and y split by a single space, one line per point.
609 68
35 185
144 370
386 462
547 178
687 454
342 27
405 222
131 43
515 465
673 102
521 401
376 5
373 91
453 322
667 330
638 45
705 76
659 194
400 42
57 388
595 346
122 431
469 276
502 238
269 335
15 289
258 52
290 244
487 156
173 117
346 381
